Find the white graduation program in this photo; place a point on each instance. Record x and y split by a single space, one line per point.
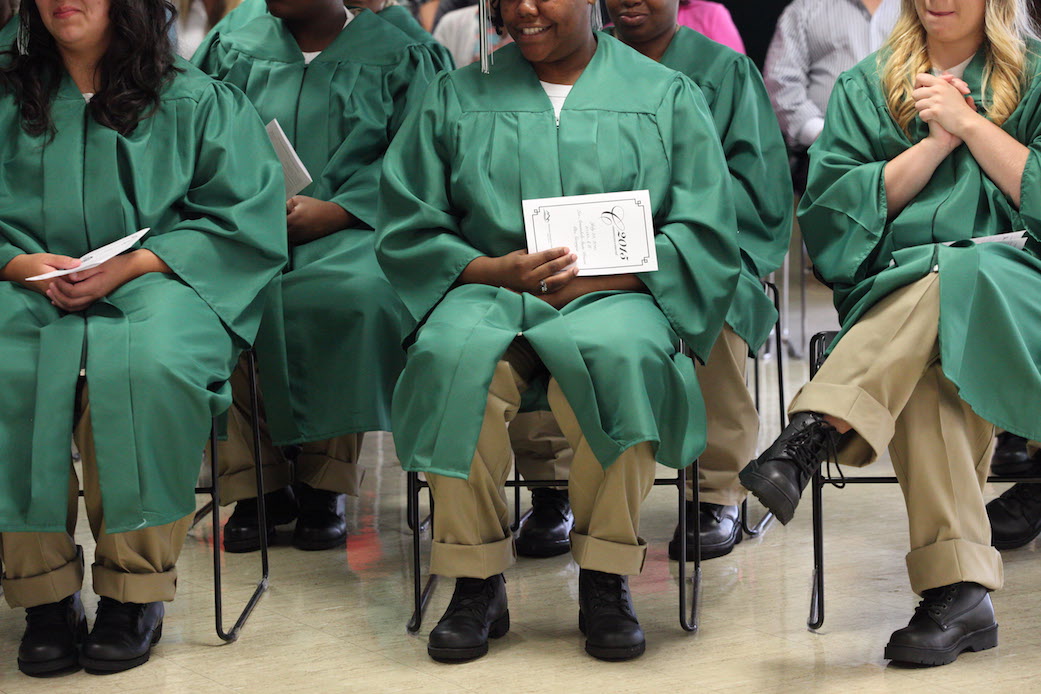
296 176
96 257
611 233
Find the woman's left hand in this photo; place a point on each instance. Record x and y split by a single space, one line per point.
309 219
937 99
580 286
80 290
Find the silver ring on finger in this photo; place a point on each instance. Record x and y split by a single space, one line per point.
543 287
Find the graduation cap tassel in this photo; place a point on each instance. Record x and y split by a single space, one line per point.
485 23
596 18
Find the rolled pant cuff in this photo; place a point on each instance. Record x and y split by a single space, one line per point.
472 561
869 418
953 561
330 474
606 556
44 589
236 486
140 588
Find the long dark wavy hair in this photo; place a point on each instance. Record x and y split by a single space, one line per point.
132 73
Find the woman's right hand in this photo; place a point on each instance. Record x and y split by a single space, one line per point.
943 139
521 271
33 264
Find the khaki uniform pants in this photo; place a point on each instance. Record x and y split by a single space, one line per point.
331 464
885 379
731 419
471 526
136 566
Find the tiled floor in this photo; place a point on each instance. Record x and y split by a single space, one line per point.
335 621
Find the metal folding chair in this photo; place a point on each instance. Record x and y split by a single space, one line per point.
818 346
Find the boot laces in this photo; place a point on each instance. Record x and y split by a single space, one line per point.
812 445
51 614
122 616
472 602
938 602
611 593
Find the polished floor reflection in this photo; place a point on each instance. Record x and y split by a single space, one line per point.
335 621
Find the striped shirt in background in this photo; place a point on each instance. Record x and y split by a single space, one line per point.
815 42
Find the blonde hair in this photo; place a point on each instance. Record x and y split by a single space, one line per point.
1006 26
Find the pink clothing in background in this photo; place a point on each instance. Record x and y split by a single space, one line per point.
713 20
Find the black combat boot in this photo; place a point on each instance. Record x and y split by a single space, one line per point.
123 635
322 521
546 531
477 610
949 620
607 618
52 638
779 476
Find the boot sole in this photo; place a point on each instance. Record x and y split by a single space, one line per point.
707 551
97 666
976 641
768 495
498 629
614 654
543 549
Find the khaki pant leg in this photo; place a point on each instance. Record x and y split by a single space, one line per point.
872 372
731 420
135 566
238 479
541 451
41 568
471 525
606 503
332 464
941 452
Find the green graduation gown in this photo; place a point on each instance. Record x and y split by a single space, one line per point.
758 162
395 15
158 351
329 345
404 21
990 319
453 182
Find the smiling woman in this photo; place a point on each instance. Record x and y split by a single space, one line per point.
105 133
565 112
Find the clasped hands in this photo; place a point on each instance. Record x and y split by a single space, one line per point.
944 103
78 291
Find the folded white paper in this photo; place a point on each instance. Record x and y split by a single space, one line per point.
1016 239
611 233
96 257
296 176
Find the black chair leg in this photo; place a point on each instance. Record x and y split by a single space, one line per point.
689 619
420 592
214 490
816 620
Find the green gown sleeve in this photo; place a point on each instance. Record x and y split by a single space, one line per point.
229 252
758 162
846 187
1030 135
405 83
7 250
696 240
403 20
416 228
